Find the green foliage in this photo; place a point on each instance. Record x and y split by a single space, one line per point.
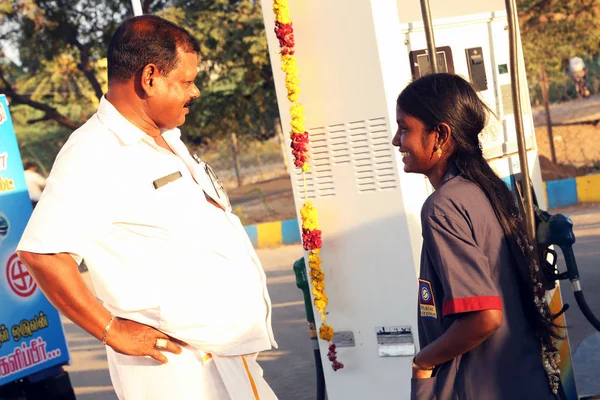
235 78
553 31
62 48
38 142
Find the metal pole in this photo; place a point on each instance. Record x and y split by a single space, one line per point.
511 11
137 7
426 13
544 82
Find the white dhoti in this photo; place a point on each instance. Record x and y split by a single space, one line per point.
191 375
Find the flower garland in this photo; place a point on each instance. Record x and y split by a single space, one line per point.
311 233
550 356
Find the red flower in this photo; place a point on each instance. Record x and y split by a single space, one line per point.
285 34
311 239
540 292
332 356
300 137
337 365
299 147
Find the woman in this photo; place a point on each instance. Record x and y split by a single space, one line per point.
481 332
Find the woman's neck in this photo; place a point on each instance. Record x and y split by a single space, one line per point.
437 172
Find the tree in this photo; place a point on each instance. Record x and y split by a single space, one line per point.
62 46
238 92
552 31
52 35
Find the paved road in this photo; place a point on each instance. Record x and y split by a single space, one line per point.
570 112
290 369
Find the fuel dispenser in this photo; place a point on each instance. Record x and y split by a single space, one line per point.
354 59
557 230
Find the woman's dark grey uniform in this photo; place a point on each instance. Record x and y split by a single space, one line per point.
466 266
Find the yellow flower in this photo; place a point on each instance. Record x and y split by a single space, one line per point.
306 168
310 217
291 71
315 251
293 96
293 91
317 275
291 82
319 295
298 126
314 266
290 67
289 64
297 111
297 114
282 11
314 257
326 332
321 305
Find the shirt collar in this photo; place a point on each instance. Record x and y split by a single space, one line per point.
451 173
110 117
127 132
171 134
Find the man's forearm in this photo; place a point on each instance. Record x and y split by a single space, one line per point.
58 277
466 333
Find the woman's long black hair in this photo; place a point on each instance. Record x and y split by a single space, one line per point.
448 98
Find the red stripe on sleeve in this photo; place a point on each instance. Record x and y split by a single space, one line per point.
476 303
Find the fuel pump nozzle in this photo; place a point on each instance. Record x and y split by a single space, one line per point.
558 230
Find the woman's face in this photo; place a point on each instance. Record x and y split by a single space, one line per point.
416 143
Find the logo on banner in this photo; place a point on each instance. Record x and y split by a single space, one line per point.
426 301
4 227
18 278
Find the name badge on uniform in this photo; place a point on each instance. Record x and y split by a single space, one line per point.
426 301
160 182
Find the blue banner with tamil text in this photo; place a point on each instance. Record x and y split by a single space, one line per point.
31 333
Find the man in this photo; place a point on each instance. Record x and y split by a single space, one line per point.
185 305
35 182
579 72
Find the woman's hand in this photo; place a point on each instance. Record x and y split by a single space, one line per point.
421 373
468 331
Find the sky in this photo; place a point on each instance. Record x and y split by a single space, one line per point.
10 52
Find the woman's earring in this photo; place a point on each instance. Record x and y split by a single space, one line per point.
439 152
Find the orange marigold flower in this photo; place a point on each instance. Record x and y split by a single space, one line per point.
326 332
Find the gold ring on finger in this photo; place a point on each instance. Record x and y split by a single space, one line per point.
161 343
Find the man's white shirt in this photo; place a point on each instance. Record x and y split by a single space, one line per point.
35 184
165 257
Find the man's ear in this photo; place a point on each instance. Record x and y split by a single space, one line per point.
148 79
444 135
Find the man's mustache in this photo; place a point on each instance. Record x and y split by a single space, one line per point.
189 103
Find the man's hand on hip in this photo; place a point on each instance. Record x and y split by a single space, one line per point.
58 277
134 339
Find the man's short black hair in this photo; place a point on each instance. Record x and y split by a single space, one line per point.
144 40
